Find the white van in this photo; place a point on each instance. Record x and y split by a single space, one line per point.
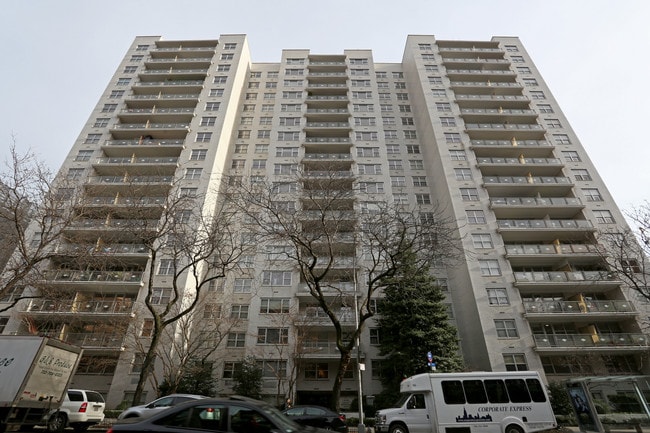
508 402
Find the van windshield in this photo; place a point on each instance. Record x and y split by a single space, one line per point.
402 399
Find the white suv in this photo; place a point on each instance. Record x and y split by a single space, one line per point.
80 409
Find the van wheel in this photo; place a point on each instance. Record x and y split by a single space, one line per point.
513 428
56 423
401 428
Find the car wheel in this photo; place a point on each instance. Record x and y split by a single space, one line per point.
398 428
56 423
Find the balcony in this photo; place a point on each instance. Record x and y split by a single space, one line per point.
545 254
161 130
91 340
315 317
487 101
478 71
115 184
519 166
531 185
326 98
512 148
577 311
617 343
327 125
94 280
333 289
116 165
143 147
448 60
332 140
157 115
91 226
534 281
94 307
328 157
538 207
519 230
324 350
176 73
522 131
106 249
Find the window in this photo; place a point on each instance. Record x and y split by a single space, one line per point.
360 83
497 296
290 107
293 83
193 173
238 163
239 311
489 267
92 138
604 217
435 80
427 57
388 121
212 311
236 339
271 85
592 194
529 82
408 121
290 121
422 198
413 149
537 94
457 155
425 47
452 137
136 58
371 187
394 164
229 46
368 152
227 56
288 135
317 371
267 107
74 173
242 285
571 155
369 168
223 68
136 364
448 121
469 194
208 121
381 74
482 240
285 169
116 94
561 139
463 173
392 149
475 216
294 72
188 192
220 79
243 134
359 62
364 95
397 181
404 108
402 96
270 74
249 107
581 174
416 165
160 296
276 278
286 151
365 121
261 148
275 305
400 199
264 134
443 106
506 328
511 48
410 135
419 181
390 134
400 86
147 328
291 95
266 120
439 93
212 106
515 362
84 155
553 123
198 154
523 69
366 135
259 164
357 108
123 81
251 96
272 335
295 61
544 108
383 85
517 59
374 336
130 69
109 108
203 137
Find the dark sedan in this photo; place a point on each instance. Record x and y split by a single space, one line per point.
232 414
317 416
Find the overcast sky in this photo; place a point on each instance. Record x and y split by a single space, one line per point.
594 55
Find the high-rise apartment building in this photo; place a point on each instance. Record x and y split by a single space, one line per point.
470 125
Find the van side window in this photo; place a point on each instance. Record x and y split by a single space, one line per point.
496 391
416 402
517 390
536 390
474 391
452 391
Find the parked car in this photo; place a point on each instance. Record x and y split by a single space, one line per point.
146 410
317 416
80 409
229 414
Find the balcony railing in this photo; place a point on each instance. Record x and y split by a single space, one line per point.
327 74
328 174
116 200
90 307
151 126
174 71
327 125
544 224
328 156
472 50
573 307
484 84
114 223
178 59
527 249
131 179
512 143
327 98
506 126
165 96
563 276
493 97
138 160
327 140
171 83
327 111
144 142
591 340
317 63
523 180
105 249
535 201
518 161
492 111
328 85
90 276
91 341
480 71
473 60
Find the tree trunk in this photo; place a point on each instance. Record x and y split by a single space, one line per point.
344 362
147 367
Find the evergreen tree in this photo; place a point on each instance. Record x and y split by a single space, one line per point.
414 321
248 379
197 378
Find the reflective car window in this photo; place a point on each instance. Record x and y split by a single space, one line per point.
314 411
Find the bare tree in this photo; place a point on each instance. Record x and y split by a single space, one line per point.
626 251
34 214
345 253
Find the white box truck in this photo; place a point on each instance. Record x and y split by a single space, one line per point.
485 402
34 375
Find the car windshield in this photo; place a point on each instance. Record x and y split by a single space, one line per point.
402 400
287 425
